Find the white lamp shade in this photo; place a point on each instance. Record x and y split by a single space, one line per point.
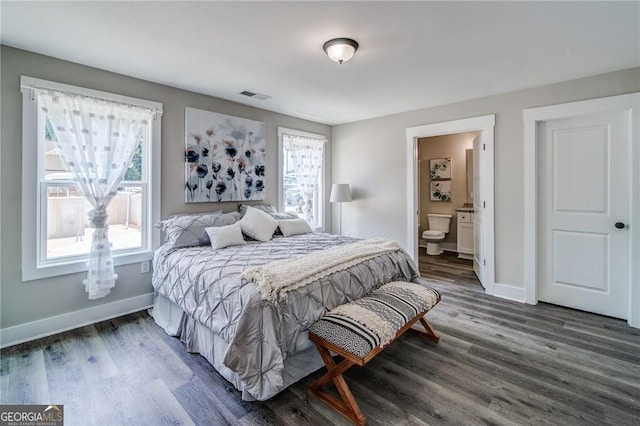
340 193
340 52
340 49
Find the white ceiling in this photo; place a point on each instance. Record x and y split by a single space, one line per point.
412 54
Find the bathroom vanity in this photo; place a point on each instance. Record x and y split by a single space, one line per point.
465 233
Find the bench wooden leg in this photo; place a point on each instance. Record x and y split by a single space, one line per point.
430 333
347 405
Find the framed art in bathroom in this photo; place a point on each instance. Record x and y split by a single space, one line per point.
441 190
440 168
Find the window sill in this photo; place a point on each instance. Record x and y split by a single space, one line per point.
72 267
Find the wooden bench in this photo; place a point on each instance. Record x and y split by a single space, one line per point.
360 330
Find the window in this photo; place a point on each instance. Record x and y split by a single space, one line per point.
301 175
57 233
65 228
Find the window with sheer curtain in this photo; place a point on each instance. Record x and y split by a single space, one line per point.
88 156
302 166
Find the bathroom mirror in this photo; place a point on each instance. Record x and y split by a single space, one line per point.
469 159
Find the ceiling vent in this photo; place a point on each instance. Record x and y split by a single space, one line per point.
254 95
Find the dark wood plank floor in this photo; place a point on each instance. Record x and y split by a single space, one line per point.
498 362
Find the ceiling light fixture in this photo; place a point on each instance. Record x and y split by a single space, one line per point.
340 49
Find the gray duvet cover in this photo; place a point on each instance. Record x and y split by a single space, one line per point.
205 283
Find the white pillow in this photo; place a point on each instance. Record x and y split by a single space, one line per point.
225 236
258 224
290 227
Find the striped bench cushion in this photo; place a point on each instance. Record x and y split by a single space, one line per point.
364 324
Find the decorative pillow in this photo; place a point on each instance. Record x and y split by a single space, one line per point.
195 214
291 227
283 215
188 230
223 219
225 236
226 219
162 225
267 208
258 224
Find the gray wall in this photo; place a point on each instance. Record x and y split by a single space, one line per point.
377 178
371 156
23 302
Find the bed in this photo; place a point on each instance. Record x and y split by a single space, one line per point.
261 346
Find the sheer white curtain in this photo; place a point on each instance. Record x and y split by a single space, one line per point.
97 139
307 155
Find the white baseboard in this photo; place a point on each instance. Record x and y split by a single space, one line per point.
510 292
449 246
443 246
46 327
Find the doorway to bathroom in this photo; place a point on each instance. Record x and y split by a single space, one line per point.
445 189
480 132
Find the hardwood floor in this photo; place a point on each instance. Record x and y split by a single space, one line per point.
498 362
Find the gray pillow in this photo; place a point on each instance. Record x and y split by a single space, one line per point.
267 208
188 230
283 215
226 219
195 214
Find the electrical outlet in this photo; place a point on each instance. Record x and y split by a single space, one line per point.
144 267
346 234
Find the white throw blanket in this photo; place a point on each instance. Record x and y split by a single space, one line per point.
276 279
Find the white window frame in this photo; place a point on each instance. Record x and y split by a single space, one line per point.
321 188
33 266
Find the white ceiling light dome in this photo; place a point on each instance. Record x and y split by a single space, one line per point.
340 49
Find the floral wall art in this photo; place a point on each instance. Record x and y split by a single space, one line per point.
224 158
441 190
440 173
440 168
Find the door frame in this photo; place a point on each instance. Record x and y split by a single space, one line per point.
532 116
485 125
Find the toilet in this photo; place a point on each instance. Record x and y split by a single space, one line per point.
439 225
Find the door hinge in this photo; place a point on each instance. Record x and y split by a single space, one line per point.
484 204
484 147
484 263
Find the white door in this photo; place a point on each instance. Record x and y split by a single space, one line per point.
584 211
478 210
